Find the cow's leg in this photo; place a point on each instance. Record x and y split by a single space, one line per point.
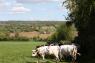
43 56
60 56
73 59
57 58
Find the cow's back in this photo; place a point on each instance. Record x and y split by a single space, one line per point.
54 49
43 49
66 49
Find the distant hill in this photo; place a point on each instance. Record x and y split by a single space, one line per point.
39 30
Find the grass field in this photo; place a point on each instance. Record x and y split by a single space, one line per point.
20 52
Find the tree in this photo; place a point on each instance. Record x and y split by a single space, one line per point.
82 13
65 32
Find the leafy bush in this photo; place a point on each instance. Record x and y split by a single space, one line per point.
64 32
6 37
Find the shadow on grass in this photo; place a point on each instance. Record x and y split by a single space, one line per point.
31 59
39 62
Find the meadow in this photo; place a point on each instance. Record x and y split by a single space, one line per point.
20 52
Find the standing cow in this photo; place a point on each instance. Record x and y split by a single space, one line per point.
44 50
69 50
55 50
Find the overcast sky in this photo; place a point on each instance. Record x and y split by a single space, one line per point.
32 10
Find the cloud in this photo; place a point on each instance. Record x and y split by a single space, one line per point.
3 5
38 1
12 7
19 8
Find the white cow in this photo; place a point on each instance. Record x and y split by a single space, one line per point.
68 50
55 50
50 50
42 51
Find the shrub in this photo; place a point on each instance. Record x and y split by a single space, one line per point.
64 32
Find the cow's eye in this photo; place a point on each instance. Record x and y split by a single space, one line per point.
33 53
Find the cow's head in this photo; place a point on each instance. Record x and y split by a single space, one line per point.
34 53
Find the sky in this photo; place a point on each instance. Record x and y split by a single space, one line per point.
32 10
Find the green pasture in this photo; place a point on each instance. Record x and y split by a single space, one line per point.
20 52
